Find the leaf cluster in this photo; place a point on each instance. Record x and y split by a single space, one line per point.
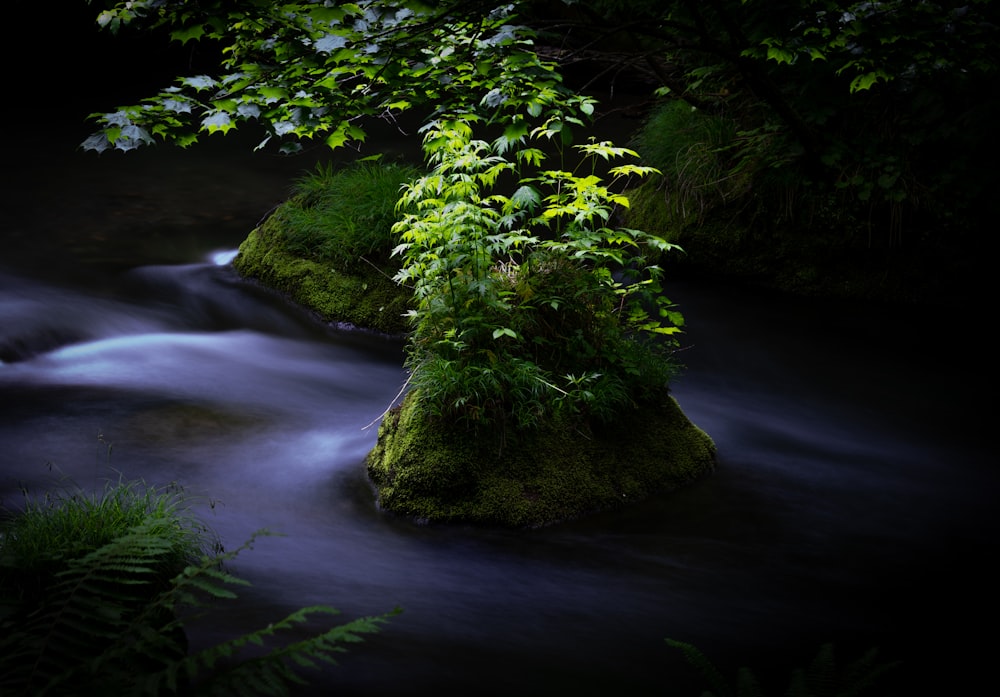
864 108
316 70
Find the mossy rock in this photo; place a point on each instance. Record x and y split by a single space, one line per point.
429 471
366 296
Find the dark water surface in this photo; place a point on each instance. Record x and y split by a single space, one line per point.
853 501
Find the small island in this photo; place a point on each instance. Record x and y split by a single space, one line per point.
328 249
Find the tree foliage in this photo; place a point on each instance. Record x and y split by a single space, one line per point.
890 102
318 70
488 227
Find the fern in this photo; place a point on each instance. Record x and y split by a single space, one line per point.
109 625
718 685
89 604
273 673
821 678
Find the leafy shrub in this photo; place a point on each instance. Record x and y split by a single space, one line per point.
527 301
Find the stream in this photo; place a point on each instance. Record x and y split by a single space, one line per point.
853 500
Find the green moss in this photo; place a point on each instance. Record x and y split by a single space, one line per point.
365 295
430 471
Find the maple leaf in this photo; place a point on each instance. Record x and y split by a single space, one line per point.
217 121
98 142
185 35
199 82
177 105
330 43
131 137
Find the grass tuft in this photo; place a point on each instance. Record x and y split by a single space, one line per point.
48 531
345 214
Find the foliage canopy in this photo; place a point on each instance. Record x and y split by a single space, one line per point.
314 69
888 104
891 101
491 219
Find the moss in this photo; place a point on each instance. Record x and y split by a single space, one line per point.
430 471
364 296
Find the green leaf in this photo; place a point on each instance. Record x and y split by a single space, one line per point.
217 121
199 82
779 54
272 93
189 33
865 81
526 196
338 137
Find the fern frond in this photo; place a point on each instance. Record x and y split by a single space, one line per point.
717 683
111 624
210 586
821 674
862 673
822 678
797 686
155 634
84 610
747 684
272 674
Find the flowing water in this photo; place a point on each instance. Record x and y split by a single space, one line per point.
852 501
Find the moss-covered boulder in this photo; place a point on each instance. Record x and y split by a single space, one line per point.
430 471
329 246
368 299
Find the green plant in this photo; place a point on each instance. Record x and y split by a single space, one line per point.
524 292
476 228
344 216
821 678
50 531
686 145
706 160
104 611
